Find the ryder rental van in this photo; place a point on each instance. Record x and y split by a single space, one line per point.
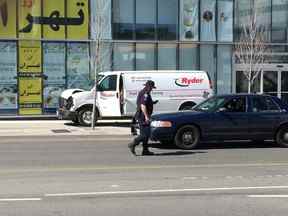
117 92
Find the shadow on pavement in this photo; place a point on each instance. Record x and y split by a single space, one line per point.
221 145
237 145
178 153
102 124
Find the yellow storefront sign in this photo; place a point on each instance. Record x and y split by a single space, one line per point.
78 11
8 18
30 57
30 95
29 14
54 13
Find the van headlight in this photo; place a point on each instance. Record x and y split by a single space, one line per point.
163 124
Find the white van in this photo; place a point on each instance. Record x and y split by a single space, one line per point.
117 92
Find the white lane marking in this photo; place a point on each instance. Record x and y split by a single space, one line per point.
161 191
268 196
20 199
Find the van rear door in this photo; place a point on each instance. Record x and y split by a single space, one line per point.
108 96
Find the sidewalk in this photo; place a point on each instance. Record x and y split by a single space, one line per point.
61 127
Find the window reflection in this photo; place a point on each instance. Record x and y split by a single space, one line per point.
145 56
123 19
145 19
167 19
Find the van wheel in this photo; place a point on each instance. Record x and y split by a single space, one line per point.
187 137
187 106
85 117
282 136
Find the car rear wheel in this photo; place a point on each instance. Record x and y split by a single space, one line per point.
282 136
85 117
187 137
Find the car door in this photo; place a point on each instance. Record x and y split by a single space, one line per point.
230 120
108 96
264 116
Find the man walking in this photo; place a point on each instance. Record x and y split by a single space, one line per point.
143 114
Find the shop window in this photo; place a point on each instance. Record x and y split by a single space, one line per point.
78 65
208 25
167 57
123 19
224 69
8 78
123 56
189 57
189 20
145 19
145 56
167 19
225 20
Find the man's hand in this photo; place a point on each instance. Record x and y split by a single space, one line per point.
155 102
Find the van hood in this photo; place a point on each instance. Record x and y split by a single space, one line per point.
69 92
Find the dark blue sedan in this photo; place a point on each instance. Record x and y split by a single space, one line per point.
225 117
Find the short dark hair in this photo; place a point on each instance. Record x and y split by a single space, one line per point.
150 83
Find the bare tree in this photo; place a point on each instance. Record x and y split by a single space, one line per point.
251 51
101 48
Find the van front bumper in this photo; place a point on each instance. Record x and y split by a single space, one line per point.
64 114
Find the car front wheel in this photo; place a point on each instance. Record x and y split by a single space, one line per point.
187 137
282 136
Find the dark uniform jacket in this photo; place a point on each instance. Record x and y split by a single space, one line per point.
144 98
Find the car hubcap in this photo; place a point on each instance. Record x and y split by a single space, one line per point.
188 137
285 136
87 117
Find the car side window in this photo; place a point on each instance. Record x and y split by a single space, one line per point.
235 105
264 104
108 84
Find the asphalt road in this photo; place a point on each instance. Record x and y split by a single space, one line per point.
97 175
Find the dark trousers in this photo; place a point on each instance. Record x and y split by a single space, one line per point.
143 136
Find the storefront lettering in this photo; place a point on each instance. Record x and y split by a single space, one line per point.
54 21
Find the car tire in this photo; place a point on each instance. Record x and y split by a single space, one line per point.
187 137
85 117
282 136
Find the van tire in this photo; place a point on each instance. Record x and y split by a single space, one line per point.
187 137
85 116
187 106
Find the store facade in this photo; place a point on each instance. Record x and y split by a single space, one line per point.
46 45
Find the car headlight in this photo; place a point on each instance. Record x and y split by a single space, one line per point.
164 124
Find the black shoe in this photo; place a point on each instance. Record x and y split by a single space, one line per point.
131 146
147 152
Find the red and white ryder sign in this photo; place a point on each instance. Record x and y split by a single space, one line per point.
186 81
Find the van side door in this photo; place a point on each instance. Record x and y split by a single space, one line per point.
108 96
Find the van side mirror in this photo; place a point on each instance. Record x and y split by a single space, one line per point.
99 88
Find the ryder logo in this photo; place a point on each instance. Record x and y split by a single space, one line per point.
185 81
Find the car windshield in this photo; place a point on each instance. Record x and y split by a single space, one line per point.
210 105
